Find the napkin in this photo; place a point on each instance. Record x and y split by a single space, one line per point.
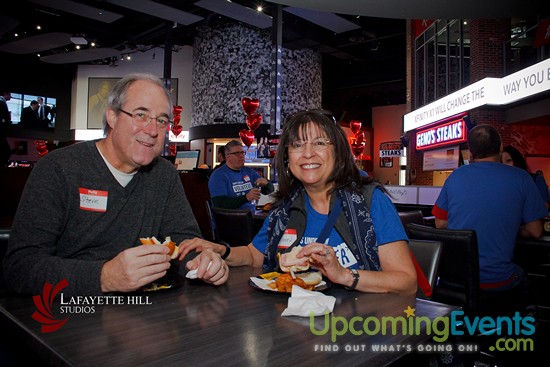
302 302
192 274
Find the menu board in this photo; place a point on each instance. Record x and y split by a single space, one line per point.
441 159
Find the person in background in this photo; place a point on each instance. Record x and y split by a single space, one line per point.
220 156
29 115
366 247
234 186
44 113
5 121
499 202
86 206
512 157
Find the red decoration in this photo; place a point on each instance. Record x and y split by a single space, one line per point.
357 149
250 105
41 147
253 121
173 149
247 137
355 126
176 127
357 142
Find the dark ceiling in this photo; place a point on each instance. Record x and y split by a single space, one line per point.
363 67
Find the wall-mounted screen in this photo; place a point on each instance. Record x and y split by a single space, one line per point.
441 159
43 115
187 160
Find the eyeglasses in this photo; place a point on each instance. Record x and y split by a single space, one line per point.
240 153
142 119
318 145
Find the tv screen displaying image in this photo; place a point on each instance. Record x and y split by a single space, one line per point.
187 160
441 159
41 116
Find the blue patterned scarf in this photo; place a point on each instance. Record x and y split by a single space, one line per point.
357 214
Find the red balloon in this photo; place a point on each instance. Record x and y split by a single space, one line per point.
357 149
173 149
253 121
355 126
176 129
247 137
41 147
177 110
359 137
250 105
177 120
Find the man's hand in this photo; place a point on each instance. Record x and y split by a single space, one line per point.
261 182
134 267
253 194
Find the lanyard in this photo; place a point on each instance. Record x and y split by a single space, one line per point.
333 215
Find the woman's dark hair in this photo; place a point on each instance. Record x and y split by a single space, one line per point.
295 127
517 157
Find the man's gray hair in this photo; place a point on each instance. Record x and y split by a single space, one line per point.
119 93
231 144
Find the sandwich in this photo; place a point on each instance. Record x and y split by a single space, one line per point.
174 250
295 272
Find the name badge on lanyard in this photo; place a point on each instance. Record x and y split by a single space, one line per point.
94 200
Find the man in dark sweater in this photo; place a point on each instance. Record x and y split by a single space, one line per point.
85 207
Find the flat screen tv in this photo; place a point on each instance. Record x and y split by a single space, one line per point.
19 101
187 160
445 159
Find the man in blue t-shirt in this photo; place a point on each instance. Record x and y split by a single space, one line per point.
234 186
498 201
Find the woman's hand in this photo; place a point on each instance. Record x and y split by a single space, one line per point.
324 258
199 245
210 267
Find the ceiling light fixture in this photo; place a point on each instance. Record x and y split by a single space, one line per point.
79 40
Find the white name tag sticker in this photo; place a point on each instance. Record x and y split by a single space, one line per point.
289 237
94 200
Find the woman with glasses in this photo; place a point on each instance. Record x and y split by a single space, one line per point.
321 193
234 186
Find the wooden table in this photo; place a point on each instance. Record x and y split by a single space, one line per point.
198 324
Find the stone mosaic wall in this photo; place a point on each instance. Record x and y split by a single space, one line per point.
234 61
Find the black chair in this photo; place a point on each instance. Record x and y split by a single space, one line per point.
427 255
4 238
411 216
234 226
213 232
458 272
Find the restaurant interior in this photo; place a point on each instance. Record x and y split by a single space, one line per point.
353 60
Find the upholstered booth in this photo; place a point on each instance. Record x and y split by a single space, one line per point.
234 226
411 216
458 274
427 255
195 185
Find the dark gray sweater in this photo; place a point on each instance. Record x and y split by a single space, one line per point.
52 238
